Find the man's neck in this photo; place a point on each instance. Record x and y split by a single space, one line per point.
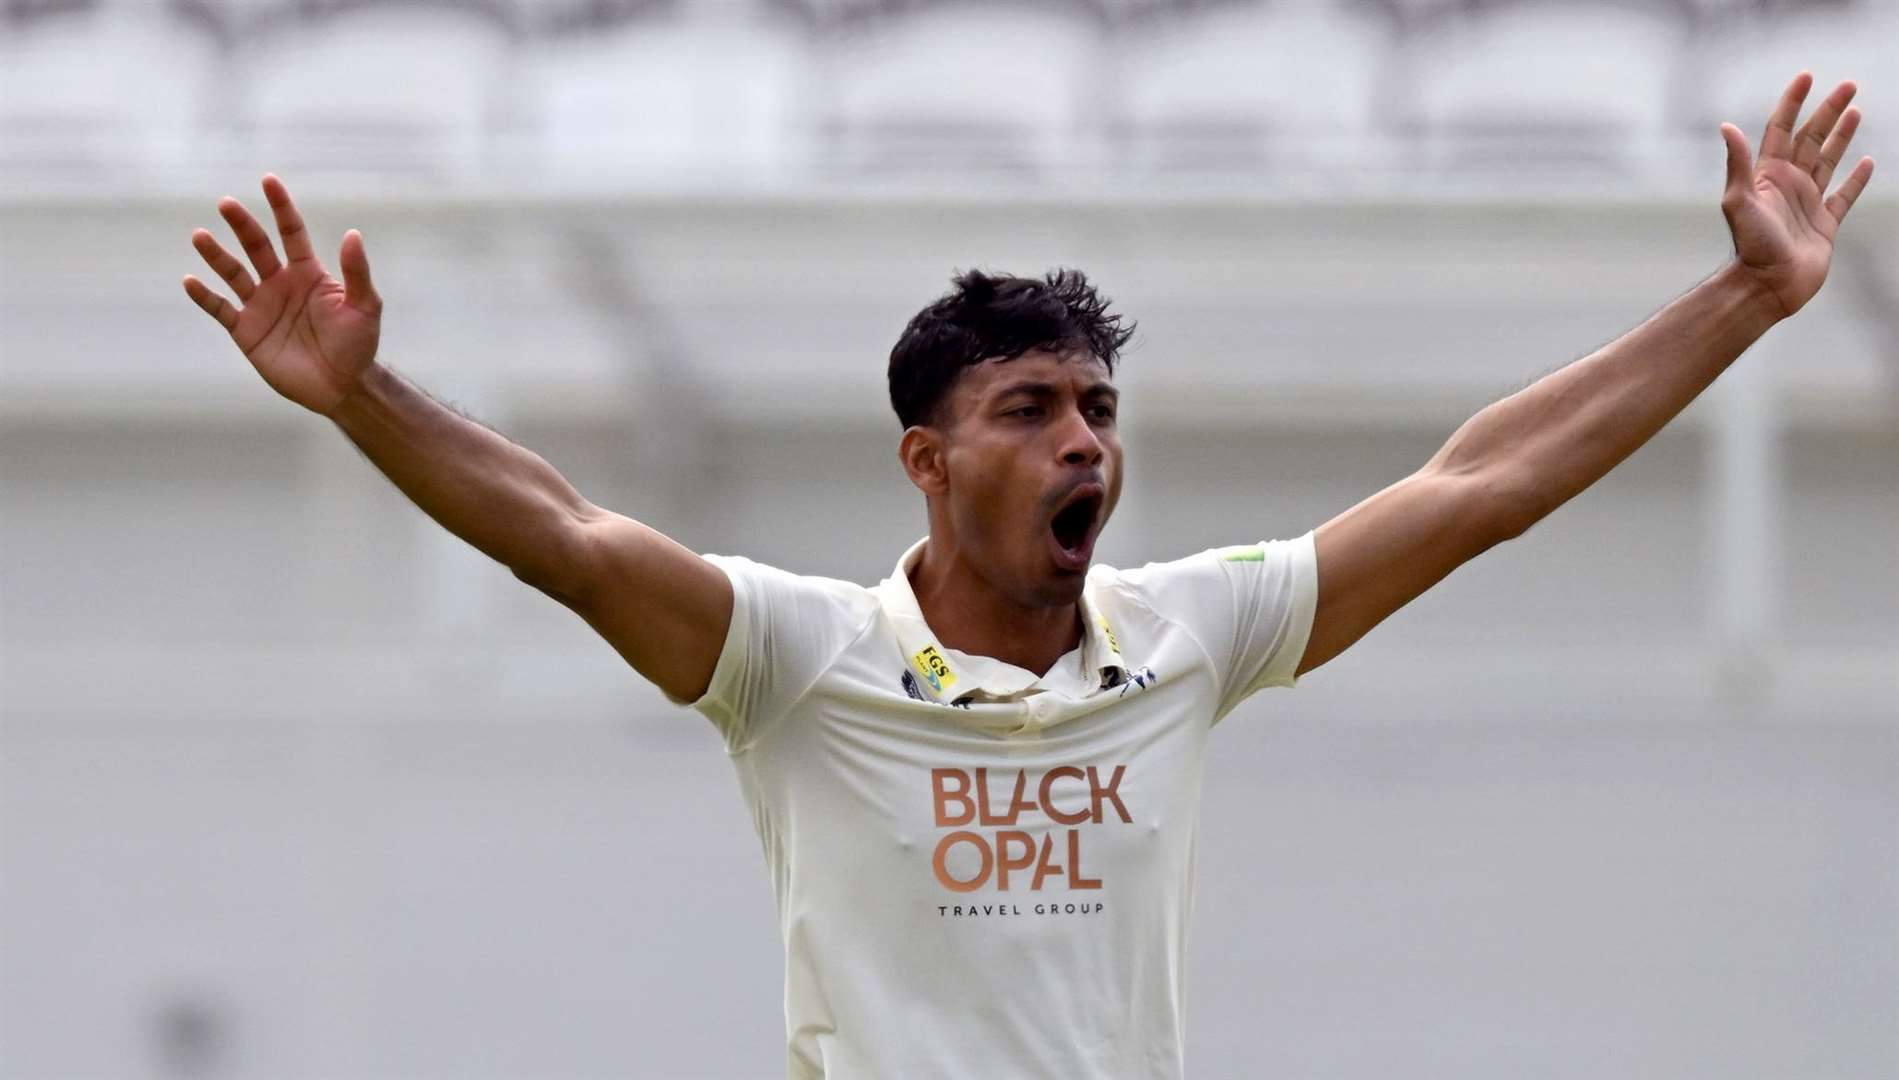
967 615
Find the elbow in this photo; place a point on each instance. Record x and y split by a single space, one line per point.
561 566
1504 502
554 588
542 582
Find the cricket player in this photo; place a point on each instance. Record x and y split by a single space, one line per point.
977 782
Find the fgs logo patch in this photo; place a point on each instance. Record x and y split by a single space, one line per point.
934 669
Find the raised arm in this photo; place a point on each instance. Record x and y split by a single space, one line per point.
313 339
1522 457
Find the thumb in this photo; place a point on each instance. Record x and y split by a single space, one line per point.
1740 161
358 292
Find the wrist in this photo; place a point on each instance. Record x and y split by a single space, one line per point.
369 393
1751 296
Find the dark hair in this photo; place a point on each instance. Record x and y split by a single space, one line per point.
997 315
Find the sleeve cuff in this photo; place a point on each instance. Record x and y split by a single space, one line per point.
1304 569
731 653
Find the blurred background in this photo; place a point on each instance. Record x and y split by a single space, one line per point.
294 784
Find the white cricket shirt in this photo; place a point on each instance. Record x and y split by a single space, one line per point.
982 873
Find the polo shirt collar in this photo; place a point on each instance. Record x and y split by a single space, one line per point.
943 674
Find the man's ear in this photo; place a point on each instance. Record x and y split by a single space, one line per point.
921 451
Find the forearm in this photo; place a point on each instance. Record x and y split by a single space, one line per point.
1542 445
503 499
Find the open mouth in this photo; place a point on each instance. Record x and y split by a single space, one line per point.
1074 523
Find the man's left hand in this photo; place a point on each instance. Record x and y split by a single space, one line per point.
1783 232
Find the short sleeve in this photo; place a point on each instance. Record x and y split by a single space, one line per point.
1250 607
785 630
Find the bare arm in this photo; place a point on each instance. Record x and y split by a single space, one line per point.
502 498
1522 457
1546 443
313 339
659 605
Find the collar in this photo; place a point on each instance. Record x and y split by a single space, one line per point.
944 674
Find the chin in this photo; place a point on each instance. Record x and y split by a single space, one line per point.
1061 589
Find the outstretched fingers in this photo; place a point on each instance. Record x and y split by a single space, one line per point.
1778 140
214 305
252 235
289 221
1849 190
1813 134
224 263
1835 149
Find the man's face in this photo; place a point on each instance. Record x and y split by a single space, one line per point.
1033 459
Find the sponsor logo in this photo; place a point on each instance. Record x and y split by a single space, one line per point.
972 911
910 687
977 854
934 669
1139 679
1249 553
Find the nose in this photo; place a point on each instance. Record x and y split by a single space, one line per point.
1080 445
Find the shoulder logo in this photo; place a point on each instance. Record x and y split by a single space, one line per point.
1249 553
934 669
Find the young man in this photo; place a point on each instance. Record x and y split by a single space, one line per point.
977 782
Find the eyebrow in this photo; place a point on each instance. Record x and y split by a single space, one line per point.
1048 389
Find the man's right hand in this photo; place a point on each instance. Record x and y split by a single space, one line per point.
311 337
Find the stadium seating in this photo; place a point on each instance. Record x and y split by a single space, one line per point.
86 87
950 88
1549 86
710 92
1293 88
401 88
1288 95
